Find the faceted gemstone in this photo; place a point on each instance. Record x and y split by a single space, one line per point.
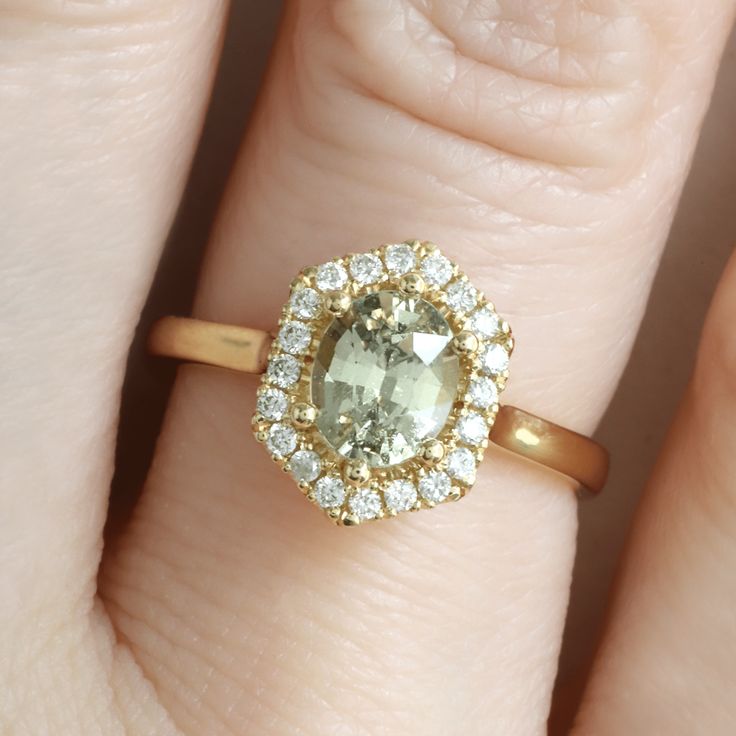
305 303
494 359
461 465
331 276
365 504
472 428
281 440
484 322
366 268
400 495
461 296
482 393
435 486
437 269
385 378
283 370
329 492
294 337
305 465
272 403
399 258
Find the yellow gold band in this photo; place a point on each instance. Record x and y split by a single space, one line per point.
246 350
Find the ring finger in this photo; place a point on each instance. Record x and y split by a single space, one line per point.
549 183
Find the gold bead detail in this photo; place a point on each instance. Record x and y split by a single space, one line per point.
432 452
412 284
357 473
303 415
465 343
337 303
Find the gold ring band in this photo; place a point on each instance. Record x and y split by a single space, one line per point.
246 350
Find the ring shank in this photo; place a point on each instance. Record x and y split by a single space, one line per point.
226 346
246 350
551 445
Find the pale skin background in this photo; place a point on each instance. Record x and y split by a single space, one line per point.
202 589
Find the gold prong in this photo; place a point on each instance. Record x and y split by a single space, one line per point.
432 452
337 303
261 435
465 343
412 284
303 415
426 248
334 514
349 520
357 473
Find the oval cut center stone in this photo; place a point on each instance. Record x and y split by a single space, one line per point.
385 378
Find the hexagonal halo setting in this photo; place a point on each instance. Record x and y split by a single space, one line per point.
415 328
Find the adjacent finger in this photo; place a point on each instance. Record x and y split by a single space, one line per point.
100 108
666 664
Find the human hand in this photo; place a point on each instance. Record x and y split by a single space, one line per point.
544 148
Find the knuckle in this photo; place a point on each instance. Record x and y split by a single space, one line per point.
557 84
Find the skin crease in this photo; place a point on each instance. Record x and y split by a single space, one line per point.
234 607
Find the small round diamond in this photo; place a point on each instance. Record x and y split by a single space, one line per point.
472 428
366 268
482 393
494 359
329 492
294 337
365 504
331 276
484 322
461 465
435 486
400 259
305 303
461 296
281 440
284 370
272 403
400 495
305 465
437 269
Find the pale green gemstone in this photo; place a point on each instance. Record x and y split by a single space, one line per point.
385 378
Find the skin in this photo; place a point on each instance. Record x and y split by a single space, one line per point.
544 146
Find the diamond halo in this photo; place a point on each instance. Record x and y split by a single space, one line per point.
463 366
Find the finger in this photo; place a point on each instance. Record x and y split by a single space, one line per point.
666 663
227 585
100 106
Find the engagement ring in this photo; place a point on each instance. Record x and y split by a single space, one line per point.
381 388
